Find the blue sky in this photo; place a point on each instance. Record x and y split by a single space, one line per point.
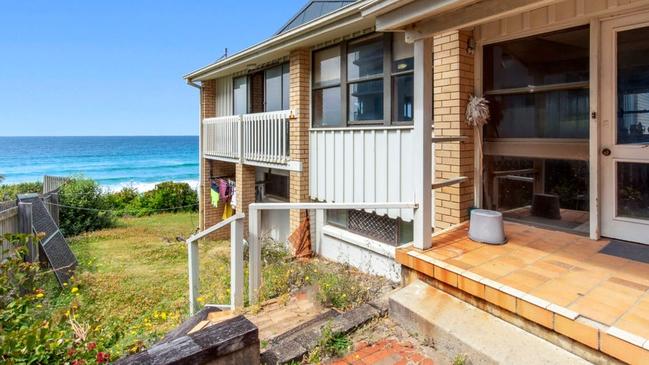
115 67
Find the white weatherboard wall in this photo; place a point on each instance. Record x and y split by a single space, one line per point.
360 165
224 96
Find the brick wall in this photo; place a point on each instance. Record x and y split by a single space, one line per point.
245 179
299 99
257 92
453 83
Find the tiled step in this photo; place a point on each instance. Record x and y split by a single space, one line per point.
458 328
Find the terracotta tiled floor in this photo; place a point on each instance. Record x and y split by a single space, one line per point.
561 268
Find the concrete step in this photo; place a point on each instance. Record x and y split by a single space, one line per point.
458 328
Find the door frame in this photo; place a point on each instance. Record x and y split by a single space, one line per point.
608 29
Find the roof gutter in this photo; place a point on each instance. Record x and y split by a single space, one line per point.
279 39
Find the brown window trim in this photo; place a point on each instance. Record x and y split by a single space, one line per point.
387 77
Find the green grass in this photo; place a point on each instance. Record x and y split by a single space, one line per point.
131 286
132 279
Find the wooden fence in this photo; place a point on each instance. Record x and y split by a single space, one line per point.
8 224
52 183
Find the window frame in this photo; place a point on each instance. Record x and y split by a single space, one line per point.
234 78
280 65
344 83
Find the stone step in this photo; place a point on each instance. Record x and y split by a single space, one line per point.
458 328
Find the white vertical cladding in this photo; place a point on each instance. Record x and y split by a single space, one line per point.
224 96
354 165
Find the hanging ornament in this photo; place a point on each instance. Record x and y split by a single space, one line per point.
477 111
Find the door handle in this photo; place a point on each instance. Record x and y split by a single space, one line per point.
606 152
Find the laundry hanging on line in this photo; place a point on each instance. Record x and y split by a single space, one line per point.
222 189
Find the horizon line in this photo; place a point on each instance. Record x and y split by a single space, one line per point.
108 135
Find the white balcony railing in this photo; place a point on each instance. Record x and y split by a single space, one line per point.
221 137
256 139
265 137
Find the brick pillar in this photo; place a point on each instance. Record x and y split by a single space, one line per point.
453 83
245 180
299 100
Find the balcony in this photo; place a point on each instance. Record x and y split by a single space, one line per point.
260 139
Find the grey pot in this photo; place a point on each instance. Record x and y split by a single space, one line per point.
486 226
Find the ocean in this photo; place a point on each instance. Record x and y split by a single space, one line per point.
114 162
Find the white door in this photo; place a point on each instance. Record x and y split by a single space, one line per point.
624 149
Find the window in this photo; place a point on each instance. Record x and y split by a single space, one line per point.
276 88
381 228
402 79
536 94
363 81
327 109
539 104
277 185
240 95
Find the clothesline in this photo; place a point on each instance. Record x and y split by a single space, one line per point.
224 190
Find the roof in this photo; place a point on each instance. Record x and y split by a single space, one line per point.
336 23
314 9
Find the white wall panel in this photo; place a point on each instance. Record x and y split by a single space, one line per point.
224 96
353 165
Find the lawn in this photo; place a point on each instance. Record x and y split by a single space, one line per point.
133 279
131 288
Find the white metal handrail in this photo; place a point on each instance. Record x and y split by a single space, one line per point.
254 212
265 137
221 136
236 263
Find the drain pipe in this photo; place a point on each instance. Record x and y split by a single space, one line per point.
200 153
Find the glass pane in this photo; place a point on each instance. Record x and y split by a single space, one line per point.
545 192
273 90
326 107
326 66
405 232
633 190
285 86
633 86
337 217
402 53
366 101
240 95
403 89
551 58
555 114
365 59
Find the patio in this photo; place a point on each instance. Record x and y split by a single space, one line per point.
561 281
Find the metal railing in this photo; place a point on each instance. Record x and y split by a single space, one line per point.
256 139
236 263
254 226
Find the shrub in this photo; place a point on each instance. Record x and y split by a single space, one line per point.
90 204
34 328
170 196
9 191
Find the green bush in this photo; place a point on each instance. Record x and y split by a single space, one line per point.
90 204
121 199
169 196
9 191
39 325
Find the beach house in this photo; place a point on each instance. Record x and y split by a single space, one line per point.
365 101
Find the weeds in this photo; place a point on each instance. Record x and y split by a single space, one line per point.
330 345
